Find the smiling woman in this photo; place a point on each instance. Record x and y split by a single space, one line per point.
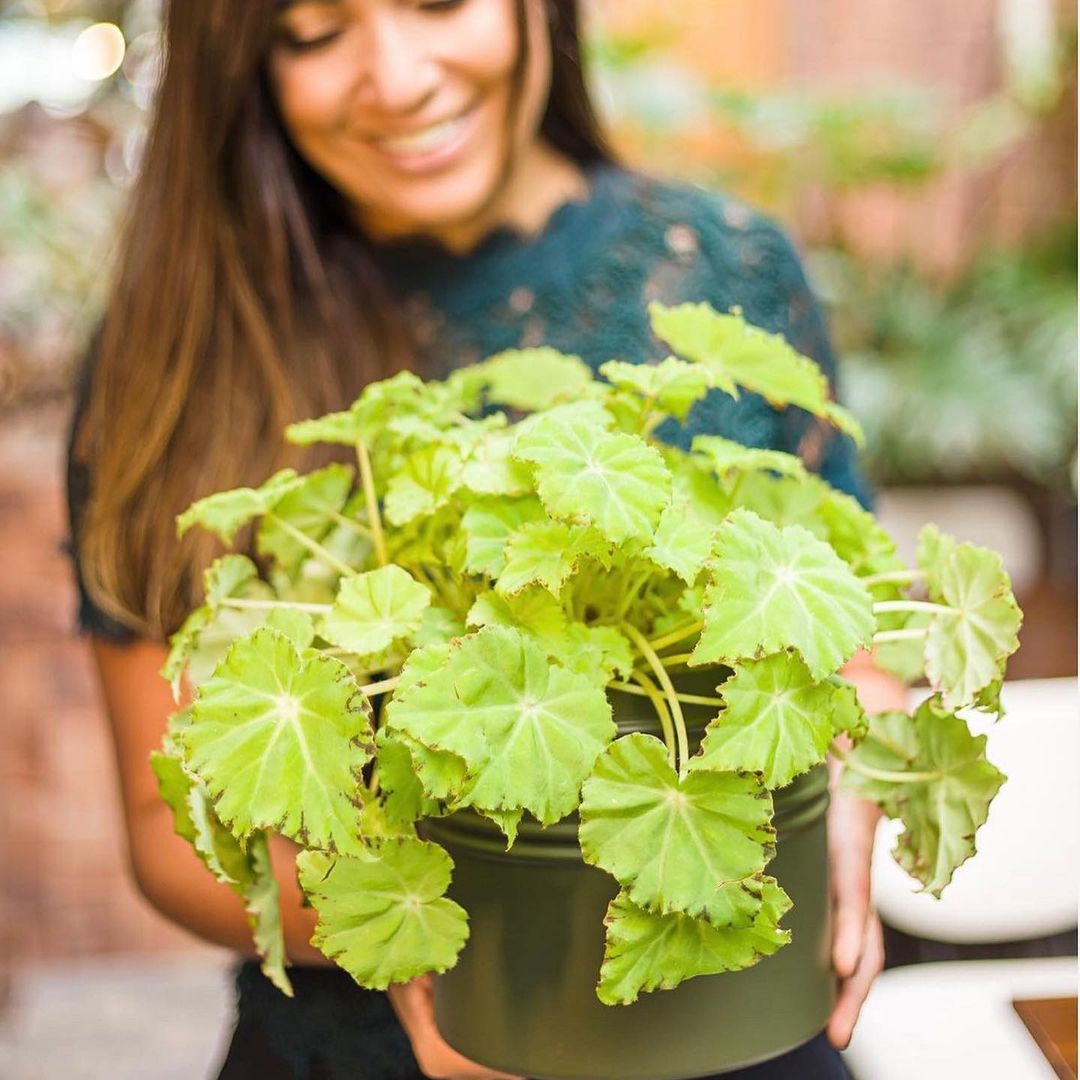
422 114
334 190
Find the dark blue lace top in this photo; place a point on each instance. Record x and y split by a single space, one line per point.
582 286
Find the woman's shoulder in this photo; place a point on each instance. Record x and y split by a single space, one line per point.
711 243
712 215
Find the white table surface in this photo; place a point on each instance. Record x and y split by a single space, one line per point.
955 1021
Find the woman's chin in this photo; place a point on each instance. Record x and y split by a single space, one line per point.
441 205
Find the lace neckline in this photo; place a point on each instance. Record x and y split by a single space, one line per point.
427 255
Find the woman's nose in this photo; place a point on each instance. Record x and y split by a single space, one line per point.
400 72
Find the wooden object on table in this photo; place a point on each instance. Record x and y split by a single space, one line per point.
1052 1023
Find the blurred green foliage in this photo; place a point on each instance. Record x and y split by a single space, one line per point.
973 379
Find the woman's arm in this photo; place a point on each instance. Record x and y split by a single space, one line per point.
858 946
165 867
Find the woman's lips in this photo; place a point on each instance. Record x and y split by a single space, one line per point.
429 148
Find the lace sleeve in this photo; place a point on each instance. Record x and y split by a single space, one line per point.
90 619
824 449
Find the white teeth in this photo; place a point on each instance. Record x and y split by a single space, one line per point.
423 142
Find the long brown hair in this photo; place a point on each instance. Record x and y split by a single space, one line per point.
243 300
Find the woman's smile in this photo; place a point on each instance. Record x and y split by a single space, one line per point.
432 147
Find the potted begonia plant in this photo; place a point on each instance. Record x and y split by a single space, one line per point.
532 677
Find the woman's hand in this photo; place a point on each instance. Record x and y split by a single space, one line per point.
858 947
412 1001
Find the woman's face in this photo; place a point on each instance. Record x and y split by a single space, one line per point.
405 105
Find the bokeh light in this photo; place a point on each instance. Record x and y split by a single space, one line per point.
98 51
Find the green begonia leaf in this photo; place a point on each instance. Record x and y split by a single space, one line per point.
206 634
533 610
528 731
383 917
615 481
442 774
673 386
337 427
437 626
377 824
686 610
676 845
694 336
735 352
405 800
508 821
174 786
597 652
694 486
224 512
263 902
966 649
426 482
490 470
947 796
534 379
783 500
855 535
297 626
368 416
649 951
777 720
421 664
248 872
487 526
280 742
848 715
777 588
308 507
904 659
547 553
724 456
375 609
682 542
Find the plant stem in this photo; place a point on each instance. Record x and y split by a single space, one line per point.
270 605
678 634
646 413
889 577
374 520
355 526
652 692
675 659
887 776
912 633
630 593
380 687
669 692
883 606
686 699
316 549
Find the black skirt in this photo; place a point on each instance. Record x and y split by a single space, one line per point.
333 1029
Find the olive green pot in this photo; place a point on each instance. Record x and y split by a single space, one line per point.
522 997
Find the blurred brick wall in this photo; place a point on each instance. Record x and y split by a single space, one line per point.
64 889
844 45
954 49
